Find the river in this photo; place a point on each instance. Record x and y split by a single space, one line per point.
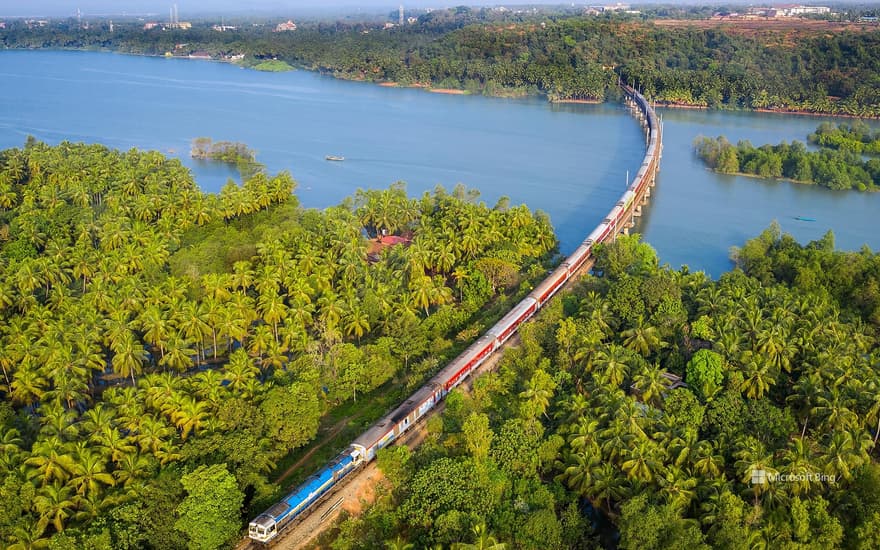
568 160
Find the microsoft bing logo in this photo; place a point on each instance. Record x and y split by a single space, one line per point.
762 477
759 477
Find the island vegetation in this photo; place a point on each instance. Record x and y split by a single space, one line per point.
856 137
837 167
652 408
162 349
562 55
234 153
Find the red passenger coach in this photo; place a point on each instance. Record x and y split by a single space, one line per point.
509 323
550 285
458 370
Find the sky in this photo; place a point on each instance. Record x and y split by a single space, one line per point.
281 7
188 8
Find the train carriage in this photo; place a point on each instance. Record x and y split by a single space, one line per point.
452 375
578 257
550 285
509 323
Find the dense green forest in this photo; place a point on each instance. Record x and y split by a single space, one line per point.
838 164
578 440
162 349
563 56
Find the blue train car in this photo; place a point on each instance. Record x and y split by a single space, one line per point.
267 525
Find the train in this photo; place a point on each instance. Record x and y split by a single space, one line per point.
295 505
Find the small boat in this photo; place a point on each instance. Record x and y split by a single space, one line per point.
804 219
333 157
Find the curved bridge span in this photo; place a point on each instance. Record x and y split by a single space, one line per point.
301 501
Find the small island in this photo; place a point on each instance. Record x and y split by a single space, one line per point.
239 154
838 164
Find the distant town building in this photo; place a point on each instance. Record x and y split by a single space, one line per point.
2 24
282 27
610 7
183 25
200 55
150 25
222 28
787 10
793 10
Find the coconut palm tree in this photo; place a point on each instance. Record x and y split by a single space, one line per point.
844 452
55 504
190 416
651 384
612 366
240 370
273 310
641 462
178 354
752 458
113 444
833 413
677 487
398 544
90 474
28 537
485 540
50 461
128 356
643 338
758 375
132 468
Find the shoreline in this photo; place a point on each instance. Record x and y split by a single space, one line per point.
449 91
811 113
664 104
789 181
686 106
579 101
455 91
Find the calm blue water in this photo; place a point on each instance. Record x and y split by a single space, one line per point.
696 215
570 160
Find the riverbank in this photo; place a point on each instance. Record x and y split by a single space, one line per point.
791 180
811 113
581 101
450 91
688 106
